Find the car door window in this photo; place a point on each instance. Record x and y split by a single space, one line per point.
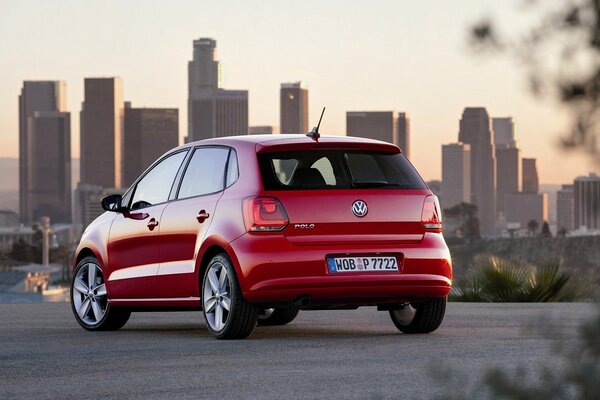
205 172
155 186
233 171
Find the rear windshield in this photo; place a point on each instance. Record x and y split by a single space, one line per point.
337 169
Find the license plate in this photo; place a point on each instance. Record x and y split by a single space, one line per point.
362 264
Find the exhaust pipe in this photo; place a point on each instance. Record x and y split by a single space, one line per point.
302 302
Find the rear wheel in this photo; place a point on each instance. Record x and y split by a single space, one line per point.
227 314
277 316
423 317
89 299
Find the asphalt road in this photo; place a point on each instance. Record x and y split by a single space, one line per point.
322 354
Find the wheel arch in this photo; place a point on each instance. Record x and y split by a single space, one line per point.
211 248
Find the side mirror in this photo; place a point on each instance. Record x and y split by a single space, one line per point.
112 203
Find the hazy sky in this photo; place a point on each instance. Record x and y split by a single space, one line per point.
354 55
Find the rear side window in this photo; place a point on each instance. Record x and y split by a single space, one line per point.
205 172
337 169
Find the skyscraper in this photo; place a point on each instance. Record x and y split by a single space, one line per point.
212 111
35 96
102 132
50 178
530 176
260 130
293 108
524 207
504 131
587 202
403 133
565 212
475 131
456 174
508 174
148 133
378 125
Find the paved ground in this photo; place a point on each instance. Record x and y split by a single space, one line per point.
322 354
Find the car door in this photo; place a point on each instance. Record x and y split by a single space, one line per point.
186 220
133 246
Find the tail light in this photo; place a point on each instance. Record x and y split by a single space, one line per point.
431 216
264 214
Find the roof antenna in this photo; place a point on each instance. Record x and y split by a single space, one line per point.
314 134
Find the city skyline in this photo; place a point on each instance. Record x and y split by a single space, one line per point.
152 63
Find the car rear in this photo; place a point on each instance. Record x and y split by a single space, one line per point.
340 223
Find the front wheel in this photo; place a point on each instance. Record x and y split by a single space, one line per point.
227 314
89 299
423 317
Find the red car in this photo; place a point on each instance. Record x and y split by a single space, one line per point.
252 229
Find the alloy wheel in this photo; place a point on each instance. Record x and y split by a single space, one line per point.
216 296
89 295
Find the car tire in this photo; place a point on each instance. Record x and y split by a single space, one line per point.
422 317
277 316
227 314
89 299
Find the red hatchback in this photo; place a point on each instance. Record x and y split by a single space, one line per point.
252 229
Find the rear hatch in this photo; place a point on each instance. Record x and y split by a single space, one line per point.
345 196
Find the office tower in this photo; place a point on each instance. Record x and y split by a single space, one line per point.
587 202
260 130
50 163
87 202
565 208
475 131
148 133
524 207
530 176
102 132
35 96
504 132
293 108
212 111
402 139
456 174
508 174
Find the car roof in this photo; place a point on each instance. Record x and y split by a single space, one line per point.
280 141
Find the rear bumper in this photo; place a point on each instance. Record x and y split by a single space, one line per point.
273 271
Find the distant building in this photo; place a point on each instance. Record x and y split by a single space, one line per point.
35 96
8 218
102 132
379 125
524 207
87 200
148 133
50 166
293 108
531 183
504 132
212 111
508 174
475 130
587 202
436 187
403 133
456 174
261 130
565 211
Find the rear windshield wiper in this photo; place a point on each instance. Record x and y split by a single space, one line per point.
372 184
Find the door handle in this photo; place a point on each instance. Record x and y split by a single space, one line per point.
202 216
152 224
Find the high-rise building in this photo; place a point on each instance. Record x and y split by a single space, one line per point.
261 130
524 207
456 174
102 132
293 108
50 163
531 182
587 202
565 208
504 132
35 96
212 111
508 174
475 131
148 133
379 125
403 133
88 202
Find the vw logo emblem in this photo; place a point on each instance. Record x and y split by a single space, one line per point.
359 208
